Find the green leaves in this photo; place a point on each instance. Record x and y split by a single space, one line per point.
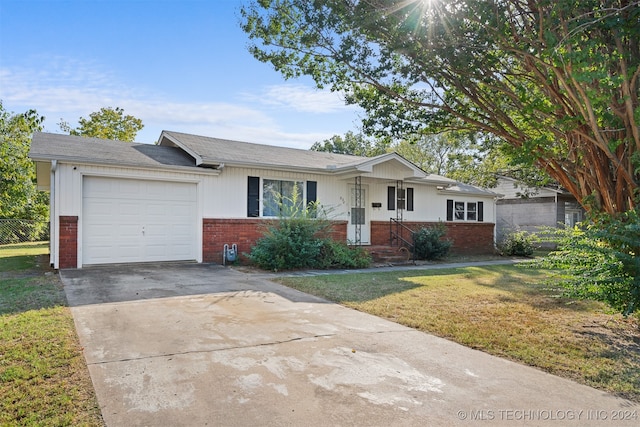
601 260
558 81
108 123
19 197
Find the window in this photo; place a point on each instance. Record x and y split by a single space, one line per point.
465 211
404 200
471 211
279 197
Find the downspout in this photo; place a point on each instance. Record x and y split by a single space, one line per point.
495 223
53 219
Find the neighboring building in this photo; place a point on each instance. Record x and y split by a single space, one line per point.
187 196
527 208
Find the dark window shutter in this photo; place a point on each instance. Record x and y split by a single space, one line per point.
391 198
480 213
312 196
409 199
312 192
253 197
449 210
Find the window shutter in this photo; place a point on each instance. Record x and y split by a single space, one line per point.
312 195
312 192
449 210
480 213
391 198
409 199
253 197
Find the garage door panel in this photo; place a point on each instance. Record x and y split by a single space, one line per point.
127 220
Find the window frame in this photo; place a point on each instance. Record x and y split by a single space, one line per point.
459 210
257 197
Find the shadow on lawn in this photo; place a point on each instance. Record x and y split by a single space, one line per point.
514 283
28 283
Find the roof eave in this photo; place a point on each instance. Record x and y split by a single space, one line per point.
82 161
479 193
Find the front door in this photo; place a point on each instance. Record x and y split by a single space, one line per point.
358 216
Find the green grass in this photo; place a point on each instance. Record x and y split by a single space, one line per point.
507 311
44 380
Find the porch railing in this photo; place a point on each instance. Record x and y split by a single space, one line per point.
397 232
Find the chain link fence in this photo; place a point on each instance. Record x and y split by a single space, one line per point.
23 230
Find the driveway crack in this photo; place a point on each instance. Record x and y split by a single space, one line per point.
181 353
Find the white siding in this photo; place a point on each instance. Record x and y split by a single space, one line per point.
512 189
224 194
68 196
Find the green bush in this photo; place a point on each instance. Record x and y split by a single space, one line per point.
340 255
287 244
429 242
294 243
518 243
300 238
600 260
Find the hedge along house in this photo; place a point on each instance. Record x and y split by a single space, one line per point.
187 196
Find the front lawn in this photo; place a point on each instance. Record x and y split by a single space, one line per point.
506 311
43 376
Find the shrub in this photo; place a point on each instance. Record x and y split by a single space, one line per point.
288 244
300 238
429 242
340 255
600 260
518 243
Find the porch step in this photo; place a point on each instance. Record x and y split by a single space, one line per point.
389 254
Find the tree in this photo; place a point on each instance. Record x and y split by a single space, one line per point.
108 123
353 144
556 80
19 197
462 156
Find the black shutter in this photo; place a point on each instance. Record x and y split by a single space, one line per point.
409 199
312 192
449 210
253 197
480 213
391 198
312 196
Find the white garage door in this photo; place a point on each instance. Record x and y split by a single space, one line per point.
129 220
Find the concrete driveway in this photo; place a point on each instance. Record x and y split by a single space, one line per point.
204 345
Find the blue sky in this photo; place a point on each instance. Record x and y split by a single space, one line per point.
178 65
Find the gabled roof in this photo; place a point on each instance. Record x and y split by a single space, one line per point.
176 150
213 152
53 146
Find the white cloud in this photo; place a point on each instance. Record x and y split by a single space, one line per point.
300 98
62 88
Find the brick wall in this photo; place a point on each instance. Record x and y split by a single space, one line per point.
467 237
244 233
68 250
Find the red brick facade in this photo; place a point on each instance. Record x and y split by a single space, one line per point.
244 233
467 237
68 257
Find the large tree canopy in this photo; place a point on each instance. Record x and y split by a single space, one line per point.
19 197
557 80
108 123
